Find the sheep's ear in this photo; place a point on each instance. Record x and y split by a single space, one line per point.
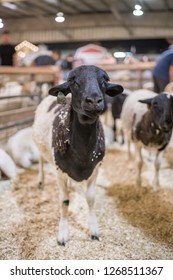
64 88
147 101
113 89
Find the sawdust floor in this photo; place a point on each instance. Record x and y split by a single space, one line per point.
135 223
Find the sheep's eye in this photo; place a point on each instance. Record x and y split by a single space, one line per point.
73 81
103 82
155 105
106 78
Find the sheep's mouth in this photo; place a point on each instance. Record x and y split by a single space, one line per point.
166 130
92 113
87 119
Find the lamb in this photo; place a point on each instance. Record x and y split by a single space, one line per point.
71 137
147 120
7 165
22 148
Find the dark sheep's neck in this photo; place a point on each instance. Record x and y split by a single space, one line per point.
147 123
84 134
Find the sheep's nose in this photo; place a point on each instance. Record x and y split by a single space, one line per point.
168 124
168 121
94 104
94 101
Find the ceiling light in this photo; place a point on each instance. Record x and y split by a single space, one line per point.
60 17
138 7
138 12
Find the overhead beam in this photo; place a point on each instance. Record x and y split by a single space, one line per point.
88 5
75 8
42 5
118 16
87 27
167 5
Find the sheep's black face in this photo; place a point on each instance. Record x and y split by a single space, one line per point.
88 92
88 85
161 107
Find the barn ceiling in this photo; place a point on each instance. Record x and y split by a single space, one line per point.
86 19
32 8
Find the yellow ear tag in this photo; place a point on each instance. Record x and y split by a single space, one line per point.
61 99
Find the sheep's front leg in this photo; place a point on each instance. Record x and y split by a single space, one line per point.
115 130
90 196
128 148
122 137
64 203
41 173
157 168
139 164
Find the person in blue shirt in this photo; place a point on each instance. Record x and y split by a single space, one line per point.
163 70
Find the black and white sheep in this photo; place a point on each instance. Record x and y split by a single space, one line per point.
147 120
71 136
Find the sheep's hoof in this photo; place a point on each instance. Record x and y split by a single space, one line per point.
94 237
40 186
61 243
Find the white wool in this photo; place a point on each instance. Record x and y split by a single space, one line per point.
109 135
22 148
7 165
11 88
169 88
42 127
132 106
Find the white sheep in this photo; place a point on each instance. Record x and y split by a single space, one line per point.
11 88
70 136
22 148
147 120
7 165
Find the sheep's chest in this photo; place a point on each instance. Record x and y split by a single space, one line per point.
78 166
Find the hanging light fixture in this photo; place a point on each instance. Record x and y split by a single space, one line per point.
138 10
138 7
60 17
